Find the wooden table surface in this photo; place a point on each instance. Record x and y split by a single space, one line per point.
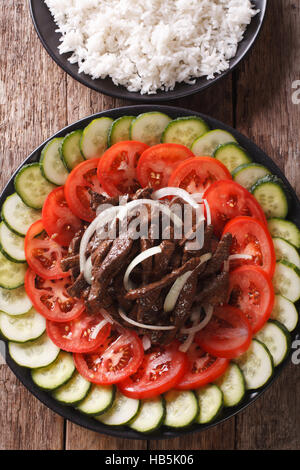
37 99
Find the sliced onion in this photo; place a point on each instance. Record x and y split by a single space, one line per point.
184 347
97 329
146 342
209 310
239 256
155 250
208 213
178 192
143 325
88 270
106 316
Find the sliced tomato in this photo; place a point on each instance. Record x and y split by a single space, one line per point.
228 334
251 290
228 199
119 357
80 335
50 297
117 167
43 254
158 162
82 179
203 368
161 370
251 237
59 221
197 174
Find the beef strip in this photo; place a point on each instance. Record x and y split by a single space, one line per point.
69 263
76 289
220 255
213 290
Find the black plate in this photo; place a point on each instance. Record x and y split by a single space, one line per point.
45 28
69 413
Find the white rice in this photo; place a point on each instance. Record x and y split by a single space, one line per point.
147 45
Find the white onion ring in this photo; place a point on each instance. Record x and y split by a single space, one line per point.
209 310
239 256
97 329
88 270
106 315
208 213
146 342
155 250
178 192
143 325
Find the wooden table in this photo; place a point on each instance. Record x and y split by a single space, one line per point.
37 99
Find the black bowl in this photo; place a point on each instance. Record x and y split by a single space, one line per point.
45 28
71 414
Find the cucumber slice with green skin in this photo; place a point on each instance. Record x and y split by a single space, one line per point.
17 216
99 400
31 186
52 166
277 339
271 194
210 398
284 229
208 142
181 408
93 142
232 384
184 130
150 416
231 155
73 391
286 280
11 244
38 353
120 130
247 175
70 150
285 250
12 275
56 374
256 365
14 301
22 328
149 127
285 312
122 411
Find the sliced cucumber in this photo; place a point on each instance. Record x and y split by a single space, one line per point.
12 274
256 364
150 416
277 339
286 280
93 142
56 374
247 175
38 353
11 244
231 155
285 312
22 328
99 399
149 127
271 194
70 150
184 130
181 408
232 384
52 166
14 301
285 250
284 229
208 142
122 411
120 130
210 400
73 391
31 186
17 216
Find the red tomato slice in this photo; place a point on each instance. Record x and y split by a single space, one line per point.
120 357
79 181
50 298
158 162
251 290
228 199
251 237
117 167
160 371
77 335
228 334
59 221
197 174
203 368
43 254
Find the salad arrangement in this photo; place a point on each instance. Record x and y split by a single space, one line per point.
150 330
